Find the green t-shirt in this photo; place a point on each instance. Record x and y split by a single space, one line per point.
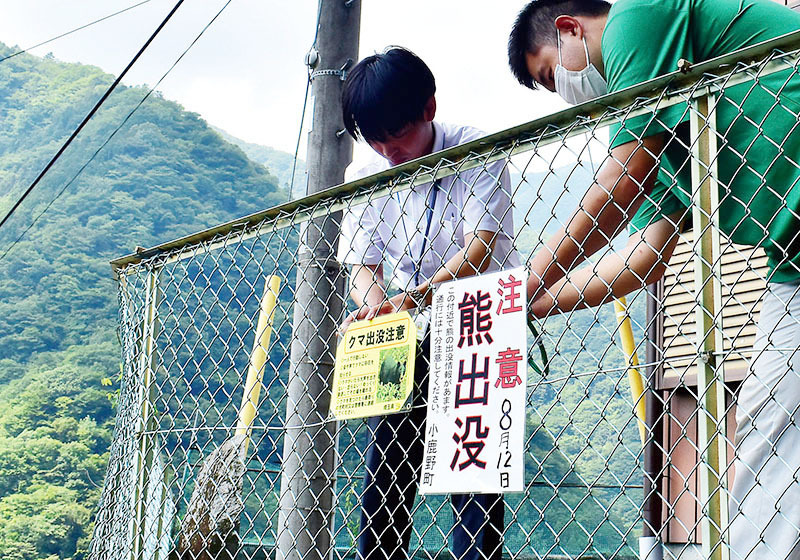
758 121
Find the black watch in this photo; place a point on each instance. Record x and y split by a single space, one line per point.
417 297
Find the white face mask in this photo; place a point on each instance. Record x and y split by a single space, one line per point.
578 86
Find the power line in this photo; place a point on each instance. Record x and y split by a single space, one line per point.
109 16
305 104
115 131
88 117
299 138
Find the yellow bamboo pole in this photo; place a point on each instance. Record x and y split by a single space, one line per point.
634 376
258 357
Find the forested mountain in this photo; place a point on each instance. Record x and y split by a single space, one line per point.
167 173
279 163
164 175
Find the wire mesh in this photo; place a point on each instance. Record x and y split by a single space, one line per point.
189 310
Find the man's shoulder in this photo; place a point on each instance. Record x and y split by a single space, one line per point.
359 170
626 16
455 135
624 5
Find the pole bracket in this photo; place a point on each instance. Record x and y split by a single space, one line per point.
341 72
707 358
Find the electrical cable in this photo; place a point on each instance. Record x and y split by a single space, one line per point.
109 16
122 124
299 137
89 116
305 104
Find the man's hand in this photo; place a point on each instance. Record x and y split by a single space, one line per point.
542 306
396 304
366 289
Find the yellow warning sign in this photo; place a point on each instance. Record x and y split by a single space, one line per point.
374 372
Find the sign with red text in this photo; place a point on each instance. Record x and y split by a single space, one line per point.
475 429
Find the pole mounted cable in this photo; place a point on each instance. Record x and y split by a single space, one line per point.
91 23
312 58
114 132
89 116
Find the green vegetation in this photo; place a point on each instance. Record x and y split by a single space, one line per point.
55 429
279 163
166 174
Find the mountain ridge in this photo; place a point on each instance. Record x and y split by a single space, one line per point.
166 175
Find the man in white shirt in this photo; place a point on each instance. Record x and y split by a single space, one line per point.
458 226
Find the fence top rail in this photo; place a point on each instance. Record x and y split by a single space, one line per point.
424 169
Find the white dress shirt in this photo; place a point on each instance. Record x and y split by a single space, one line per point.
390 230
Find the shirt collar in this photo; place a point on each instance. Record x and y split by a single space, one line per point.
438 137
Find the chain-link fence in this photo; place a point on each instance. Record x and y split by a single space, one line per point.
187 479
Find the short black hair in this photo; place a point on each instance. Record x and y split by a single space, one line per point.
535 27
386 92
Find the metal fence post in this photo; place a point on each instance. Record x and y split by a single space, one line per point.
711 422
113 533
653 453
148 359
305 521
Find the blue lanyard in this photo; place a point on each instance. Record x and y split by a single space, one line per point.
430 209
431 206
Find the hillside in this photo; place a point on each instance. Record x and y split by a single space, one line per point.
279 163
166 174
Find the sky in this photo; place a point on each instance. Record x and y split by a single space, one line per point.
246 73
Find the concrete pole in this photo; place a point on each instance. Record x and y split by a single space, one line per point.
305 520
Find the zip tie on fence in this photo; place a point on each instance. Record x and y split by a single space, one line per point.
544 371
331 363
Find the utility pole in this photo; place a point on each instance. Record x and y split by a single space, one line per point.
305 520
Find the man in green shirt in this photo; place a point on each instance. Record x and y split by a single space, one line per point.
586 48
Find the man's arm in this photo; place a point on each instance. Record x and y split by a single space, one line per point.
626 176
474 257
642 262
366 289
366 284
